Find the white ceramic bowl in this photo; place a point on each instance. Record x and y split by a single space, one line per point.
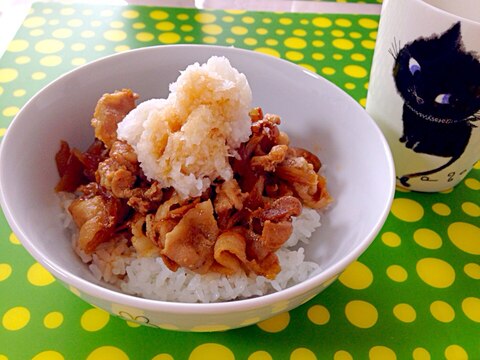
315 113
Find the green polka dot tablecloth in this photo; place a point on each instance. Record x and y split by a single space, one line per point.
414 294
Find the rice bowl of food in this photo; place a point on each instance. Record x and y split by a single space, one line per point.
194 188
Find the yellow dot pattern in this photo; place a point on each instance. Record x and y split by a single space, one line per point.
420 275
421 354
405 313
211 351
472 270
318 314
16 318
397 273
38 276
108 353
357 276
442 311
48 355
162 357
427 238
342 355
407 209
276 323
361 314
303 354
441 209
455 352
436 272
94 319
53 320
381 352
5 271
465 236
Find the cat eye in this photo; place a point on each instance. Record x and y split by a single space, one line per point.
443 99
413 66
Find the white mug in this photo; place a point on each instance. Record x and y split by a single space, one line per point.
424 89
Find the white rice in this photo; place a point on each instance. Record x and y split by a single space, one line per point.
116 263
150 278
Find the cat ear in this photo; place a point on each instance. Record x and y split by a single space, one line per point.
453 35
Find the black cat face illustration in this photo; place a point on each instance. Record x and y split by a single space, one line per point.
439 82
437 77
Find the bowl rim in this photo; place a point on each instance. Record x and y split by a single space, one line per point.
234 306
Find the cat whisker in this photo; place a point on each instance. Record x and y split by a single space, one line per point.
391 52
395 48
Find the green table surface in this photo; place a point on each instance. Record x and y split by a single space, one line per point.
414 294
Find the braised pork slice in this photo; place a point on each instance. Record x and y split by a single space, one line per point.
307 155
279 210
229 198
269 161
78 168
140 241
274 235
118 173
125 155
110 110
230 252
191 243
272 226
147 198
166 217
96 215
70 168
308 185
